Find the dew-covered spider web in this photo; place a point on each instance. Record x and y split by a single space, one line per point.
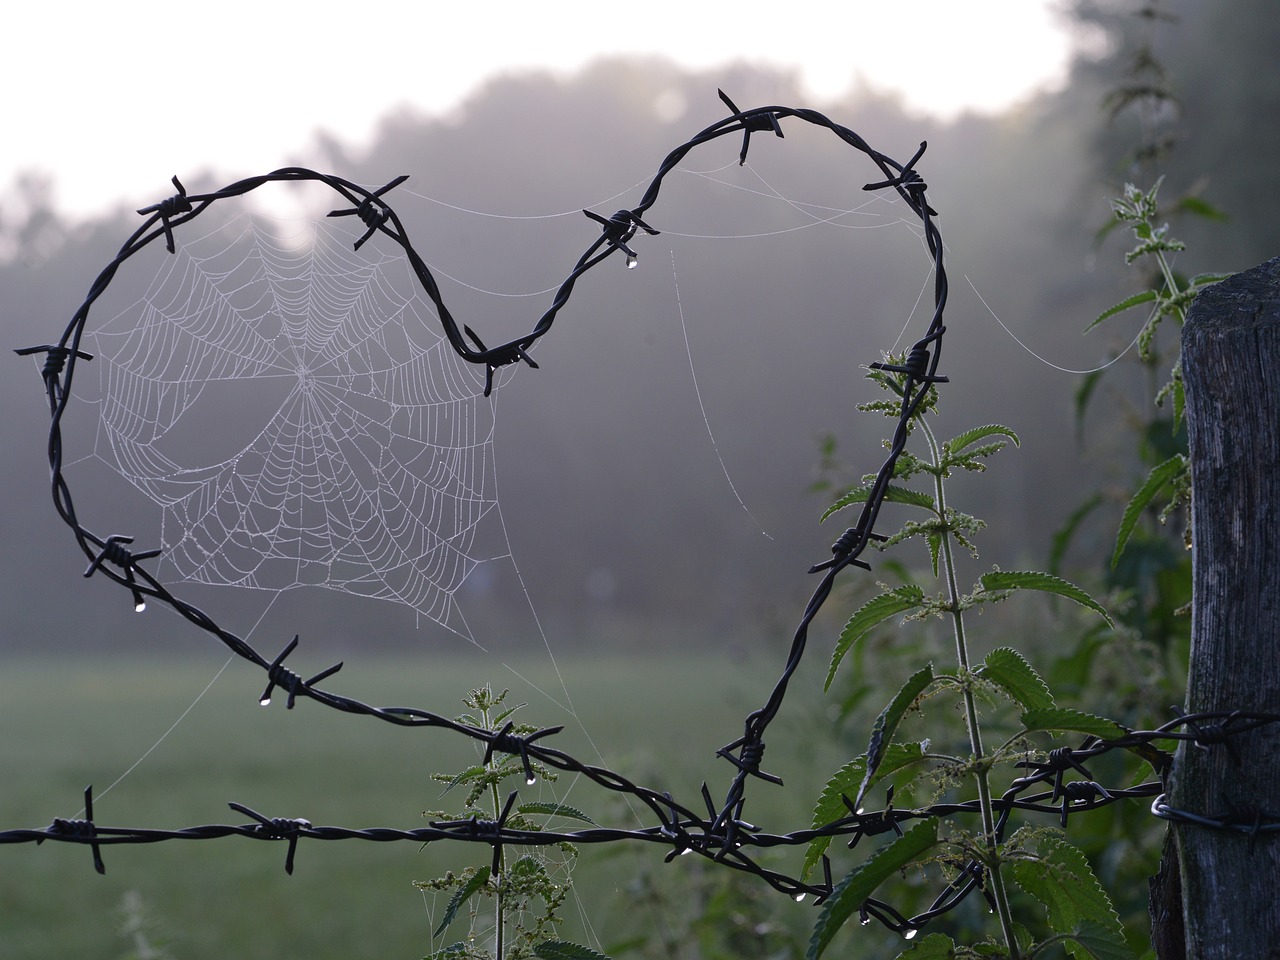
292 407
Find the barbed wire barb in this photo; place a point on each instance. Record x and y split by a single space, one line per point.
721 833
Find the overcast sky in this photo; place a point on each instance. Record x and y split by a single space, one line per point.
113 99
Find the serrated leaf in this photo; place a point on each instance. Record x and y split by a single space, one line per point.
1100 942
873 612
1009 670
849 894
893 494
1062 880
458 949
1062 718
935 545
527 866
554 810
887 724
1046 582
831 807
468 774
461 896
936 946
563 950
1159 476
956 444
1128 303
501 718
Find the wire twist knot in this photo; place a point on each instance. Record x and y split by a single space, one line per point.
275 828
846 548
168 209
915 365
747 760
80 830
504 741
757 122
908 182
372 210
620 228
280 676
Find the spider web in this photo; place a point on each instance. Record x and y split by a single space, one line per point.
292 408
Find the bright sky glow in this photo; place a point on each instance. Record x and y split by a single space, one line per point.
113 99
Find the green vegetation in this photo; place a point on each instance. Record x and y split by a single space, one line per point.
92 717
928 770
527 891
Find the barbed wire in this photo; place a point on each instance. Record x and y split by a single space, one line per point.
719 831
685 832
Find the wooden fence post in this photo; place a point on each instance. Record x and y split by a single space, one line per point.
1231 363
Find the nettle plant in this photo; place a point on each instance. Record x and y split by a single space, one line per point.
1169 297
524 893
1040 888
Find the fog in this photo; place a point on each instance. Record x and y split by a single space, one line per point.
654 470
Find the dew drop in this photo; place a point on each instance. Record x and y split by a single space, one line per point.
798 897
139 606
631 262
264 702
865 920
530 780
910 934
686 851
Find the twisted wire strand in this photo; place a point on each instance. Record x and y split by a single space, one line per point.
719 833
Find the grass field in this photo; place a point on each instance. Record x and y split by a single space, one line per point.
68 723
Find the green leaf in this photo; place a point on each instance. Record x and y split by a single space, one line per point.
461 896
1204 279
466 775
1128 303
1063 536
1160 476
563 950
1046 582
554 810
849 894
887 723
1008 670
1099 941
1200 207
936 946
893 494
526 867
831 807
1082 396
956 444
1074 900
458 949
1061 718
875 611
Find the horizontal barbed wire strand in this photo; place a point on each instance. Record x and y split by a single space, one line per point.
720 834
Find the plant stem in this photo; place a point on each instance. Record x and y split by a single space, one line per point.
497 880
998 891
